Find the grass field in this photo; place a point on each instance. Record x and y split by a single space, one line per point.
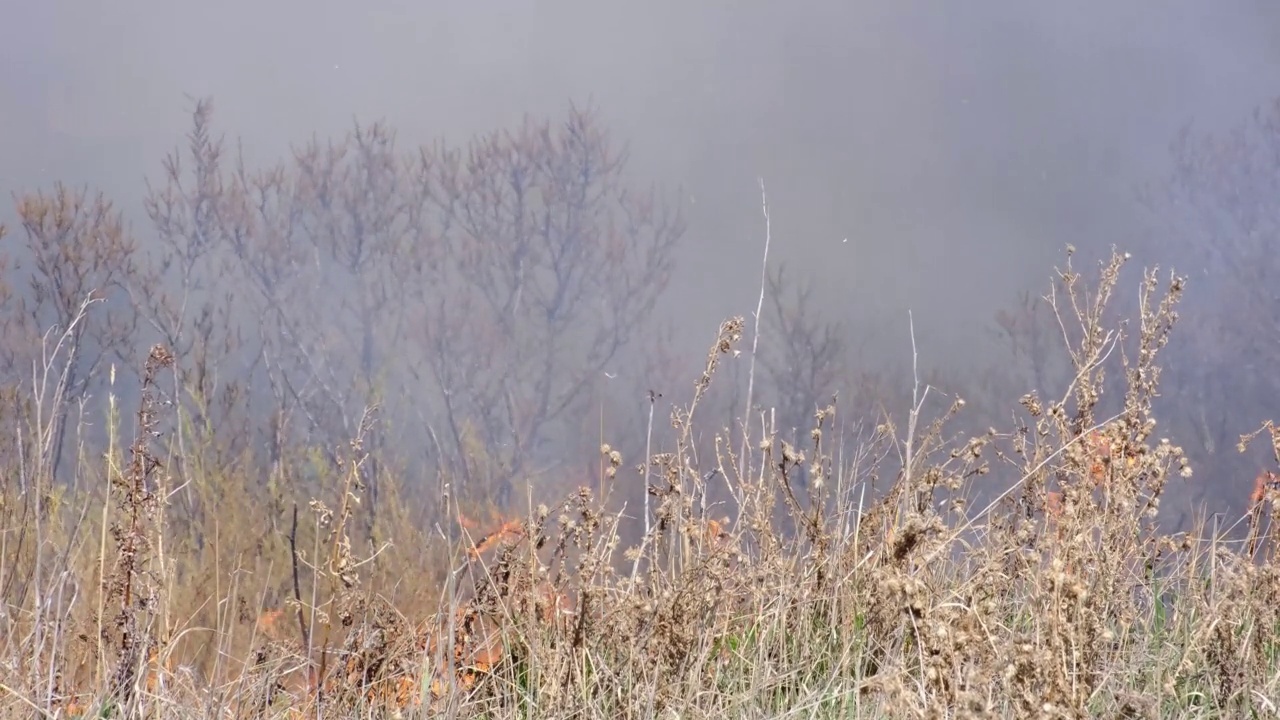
881 587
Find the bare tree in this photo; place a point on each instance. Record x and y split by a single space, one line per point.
1034 344
1218 211
547 265
78 250
187 289
353 210
478 291
805 355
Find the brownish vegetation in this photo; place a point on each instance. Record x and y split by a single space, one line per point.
315 497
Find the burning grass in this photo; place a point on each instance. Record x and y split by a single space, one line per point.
746 593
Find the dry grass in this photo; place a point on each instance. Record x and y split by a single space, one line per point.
745 595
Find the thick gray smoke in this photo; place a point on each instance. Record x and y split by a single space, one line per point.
956 146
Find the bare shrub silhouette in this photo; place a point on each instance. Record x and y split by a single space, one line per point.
77 248
494 280
1217 211
552 266
804 363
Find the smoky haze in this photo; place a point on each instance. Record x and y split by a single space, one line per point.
927 155
955 146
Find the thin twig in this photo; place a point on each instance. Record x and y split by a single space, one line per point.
648 463
755 338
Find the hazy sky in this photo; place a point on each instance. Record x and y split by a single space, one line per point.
957 145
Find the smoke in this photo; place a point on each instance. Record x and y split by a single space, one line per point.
956 146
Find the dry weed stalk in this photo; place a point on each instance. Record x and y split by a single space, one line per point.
135 581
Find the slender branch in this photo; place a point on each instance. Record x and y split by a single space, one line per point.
755 339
